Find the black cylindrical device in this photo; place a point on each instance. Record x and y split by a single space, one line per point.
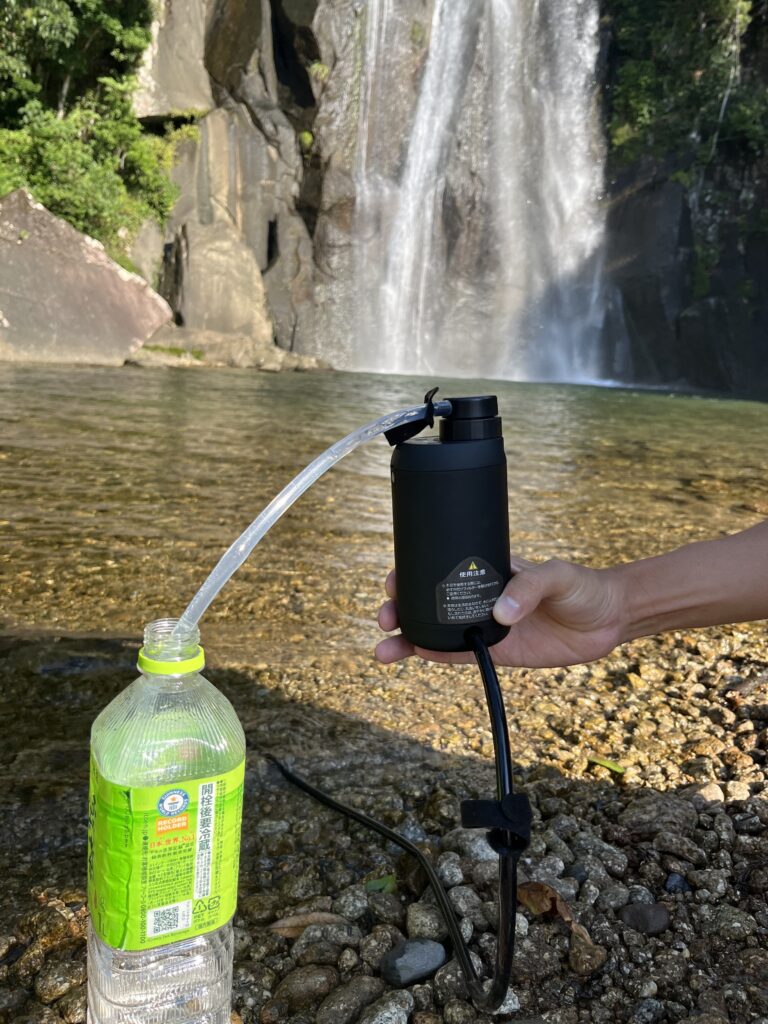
451 527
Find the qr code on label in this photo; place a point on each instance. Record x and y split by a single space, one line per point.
173 918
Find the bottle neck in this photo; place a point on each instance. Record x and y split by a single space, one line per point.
171 653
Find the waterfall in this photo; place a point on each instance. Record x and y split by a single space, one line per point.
478 227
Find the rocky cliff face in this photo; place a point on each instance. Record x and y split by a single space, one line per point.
237 253
688 266
261 241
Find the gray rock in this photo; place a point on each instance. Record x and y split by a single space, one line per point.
306 985
614 860
648 1011
386 908
467 903
733 924
449 981
62 299
679 846
703 794
345 1004
676 883
457 1011
650 919
449 869
425 921
640 894
714 881
393 1008
411 961
612 896
653 813
511 1003
352 903
57 977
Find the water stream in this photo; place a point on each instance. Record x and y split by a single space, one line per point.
478 225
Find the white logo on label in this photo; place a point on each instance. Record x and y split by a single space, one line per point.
173 802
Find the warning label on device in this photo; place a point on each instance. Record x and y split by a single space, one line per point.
468 592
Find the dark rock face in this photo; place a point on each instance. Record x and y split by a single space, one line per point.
62 299
649 263
684 311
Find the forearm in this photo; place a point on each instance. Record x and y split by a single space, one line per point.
703 584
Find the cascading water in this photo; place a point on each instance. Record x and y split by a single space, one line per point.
478 225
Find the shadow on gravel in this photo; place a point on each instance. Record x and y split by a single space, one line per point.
630 862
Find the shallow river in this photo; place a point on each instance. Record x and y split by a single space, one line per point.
122 487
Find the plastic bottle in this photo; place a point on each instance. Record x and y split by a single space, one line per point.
165 806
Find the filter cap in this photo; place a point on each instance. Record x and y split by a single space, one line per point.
472 418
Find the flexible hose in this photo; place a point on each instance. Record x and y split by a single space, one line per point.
484 996
241 548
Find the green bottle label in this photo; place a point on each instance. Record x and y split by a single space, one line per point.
163 860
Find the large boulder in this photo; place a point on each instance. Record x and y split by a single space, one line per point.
172 77
62 299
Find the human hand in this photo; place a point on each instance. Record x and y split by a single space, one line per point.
559 614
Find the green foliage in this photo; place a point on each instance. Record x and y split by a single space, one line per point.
54 49
67 129
680 86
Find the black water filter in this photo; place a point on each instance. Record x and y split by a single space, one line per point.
451 527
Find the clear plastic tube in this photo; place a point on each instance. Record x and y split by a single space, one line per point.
237 553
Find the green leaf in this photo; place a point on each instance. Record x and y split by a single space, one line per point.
605 762
388 883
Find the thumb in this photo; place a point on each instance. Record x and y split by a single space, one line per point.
529 587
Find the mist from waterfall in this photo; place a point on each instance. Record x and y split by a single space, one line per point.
478 227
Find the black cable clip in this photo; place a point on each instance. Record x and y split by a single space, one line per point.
509 820
399 434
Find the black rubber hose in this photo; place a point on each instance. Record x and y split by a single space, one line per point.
484 998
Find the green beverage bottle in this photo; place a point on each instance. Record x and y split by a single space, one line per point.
165 807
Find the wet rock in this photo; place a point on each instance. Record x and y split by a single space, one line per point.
393 1008
650 919
411 961
425 921
72 1006
345 1004
306 985
57 977
656 812
261 908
